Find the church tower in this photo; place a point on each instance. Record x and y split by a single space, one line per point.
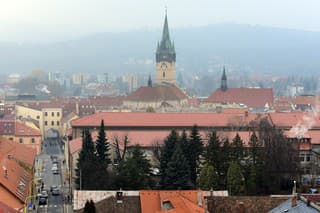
224 86
166 57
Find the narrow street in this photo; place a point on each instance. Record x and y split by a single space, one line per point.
52 152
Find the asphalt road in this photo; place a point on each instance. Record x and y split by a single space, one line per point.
51 147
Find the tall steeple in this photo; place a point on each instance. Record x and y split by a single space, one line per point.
165 57
165 49
224 86
149 81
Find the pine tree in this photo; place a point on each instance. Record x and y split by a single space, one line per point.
89 207
213 154
177 174
103 160
226 160
196 149
252 181
237 150
167 152
208 178
134 172
103 147
234 179
86 170
255 151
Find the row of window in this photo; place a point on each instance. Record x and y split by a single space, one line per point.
305 157
52 114
52 123
21 140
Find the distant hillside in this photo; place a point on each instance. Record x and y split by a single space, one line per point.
242 47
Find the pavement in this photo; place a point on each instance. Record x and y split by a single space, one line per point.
55 203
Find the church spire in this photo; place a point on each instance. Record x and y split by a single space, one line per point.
149 81
224 86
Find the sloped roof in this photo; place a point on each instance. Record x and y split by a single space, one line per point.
6 209
165 92
183 201
18 151
147 138
251 97
141 119
24 130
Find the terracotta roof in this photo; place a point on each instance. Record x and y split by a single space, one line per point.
147 138
183 201
18 151
141 119
156 93
251 97
304 100
6 209
17 181
24 130
315 136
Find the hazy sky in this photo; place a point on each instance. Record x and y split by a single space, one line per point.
49 20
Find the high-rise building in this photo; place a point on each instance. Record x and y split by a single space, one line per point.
166 57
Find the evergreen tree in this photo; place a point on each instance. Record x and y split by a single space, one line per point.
226 160
86 170
167 152
177 174
255 151
102 146
185 144
213 154
208 178
252 181
234 179
134 172
237 150
89 207
196 149
103 160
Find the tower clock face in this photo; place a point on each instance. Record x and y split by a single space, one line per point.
163 66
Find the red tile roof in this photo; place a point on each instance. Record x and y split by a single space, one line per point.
251 97
18 151
6 209
157 93
143 119
184 201
147 138
24 130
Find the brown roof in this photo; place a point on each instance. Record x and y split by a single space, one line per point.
157 93
149 138
18 151
251 97
182 201
6 209
142 119
24 130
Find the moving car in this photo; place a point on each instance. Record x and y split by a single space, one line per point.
42 201
56 191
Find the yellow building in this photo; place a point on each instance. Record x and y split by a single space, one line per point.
47 118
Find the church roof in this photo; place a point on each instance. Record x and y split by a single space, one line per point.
157 93
252 97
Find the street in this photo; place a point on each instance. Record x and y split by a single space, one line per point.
51 153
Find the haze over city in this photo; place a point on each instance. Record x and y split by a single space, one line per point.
159 106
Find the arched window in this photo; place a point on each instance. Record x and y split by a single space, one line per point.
163 74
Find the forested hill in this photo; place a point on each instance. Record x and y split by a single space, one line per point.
243 47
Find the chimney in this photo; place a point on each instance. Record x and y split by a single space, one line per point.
6 173
246 113
294 201
241 207
199 198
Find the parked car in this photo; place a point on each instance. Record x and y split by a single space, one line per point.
313 191
42 201
56 191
